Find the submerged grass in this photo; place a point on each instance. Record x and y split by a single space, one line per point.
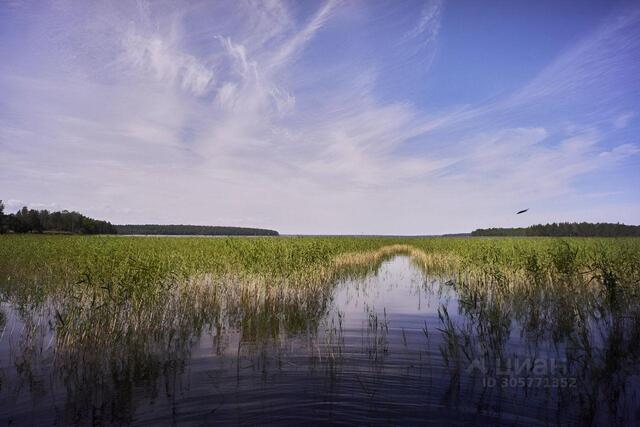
131 274
130 306
103 290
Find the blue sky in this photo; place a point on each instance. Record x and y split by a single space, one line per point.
399 117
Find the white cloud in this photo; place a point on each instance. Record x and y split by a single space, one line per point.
623 120
428 25
167 64
201 113
293 45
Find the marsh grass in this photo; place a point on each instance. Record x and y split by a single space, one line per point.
98 289
132 306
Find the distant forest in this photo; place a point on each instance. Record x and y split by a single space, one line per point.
42 221
565 229
193 230
35 221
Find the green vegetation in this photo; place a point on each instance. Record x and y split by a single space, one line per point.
35 221
54 261
89 277
42 221
101 287
564 229
192 230
125 309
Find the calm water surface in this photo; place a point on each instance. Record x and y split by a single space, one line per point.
394 347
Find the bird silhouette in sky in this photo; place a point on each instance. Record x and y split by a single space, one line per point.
522 211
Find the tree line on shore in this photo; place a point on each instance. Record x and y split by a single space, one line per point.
28 220
39 221
565 229
192 230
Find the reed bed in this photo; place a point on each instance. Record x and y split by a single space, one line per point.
128 308
100 287
114 292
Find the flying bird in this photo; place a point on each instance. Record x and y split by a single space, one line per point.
522 211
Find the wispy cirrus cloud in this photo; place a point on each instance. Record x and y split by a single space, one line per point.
261 113
294 44
157 56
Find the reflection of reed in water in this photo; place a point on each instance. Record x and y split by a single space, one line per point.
115 334
104 345
569 324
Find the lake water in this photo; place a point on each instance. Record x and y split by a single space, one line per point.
394 347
